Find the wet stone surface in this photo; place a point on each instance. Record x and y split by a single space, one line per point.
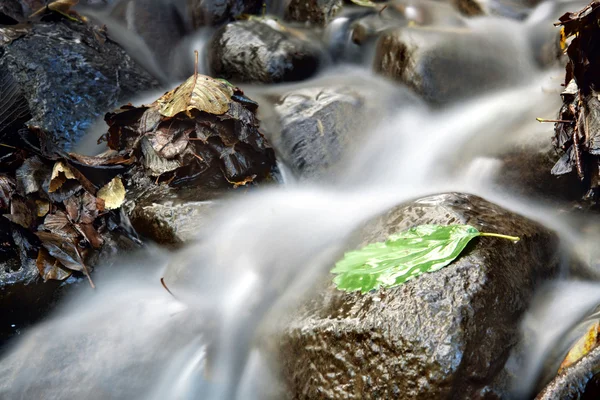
443 335
70 75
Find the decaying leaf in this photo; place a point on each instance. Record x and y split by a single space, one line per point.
22 212
31 175
583 346
7 188
50 268
199 92
113 194
60 174
65 250
156 164
43 207
58 223
404 256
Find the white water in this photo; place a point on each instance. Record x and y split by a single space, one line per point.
263 251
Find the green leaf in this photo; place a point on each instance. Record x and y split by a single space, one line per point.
404 256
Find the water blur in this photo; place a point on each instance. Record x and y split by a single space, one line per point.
262 252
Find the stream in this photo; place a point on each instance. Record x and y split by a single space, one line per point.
260 254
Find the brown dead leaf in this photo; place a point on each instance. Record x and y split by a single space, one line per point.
65 250
43 207
113 194
60 224
50 268
583 346
60 174
7 188
90 234
22 212
199 92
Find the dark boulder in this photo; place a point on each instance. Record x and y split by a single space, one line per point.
318 12
70 74
319 125
171 224
447 64
446 334
263 50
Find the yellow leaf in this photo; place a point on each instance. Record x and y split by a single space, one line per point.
42 207
60 174
199 92
113 194
583 346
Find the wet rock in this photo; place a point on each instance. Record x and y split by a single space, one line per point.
70 74
443 335
263 51
579 381
169 223
318 124
215 12
318 12
446 64
402 13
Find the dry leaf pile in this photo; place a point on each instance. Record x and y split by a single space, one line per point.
58 207
204 133
577 132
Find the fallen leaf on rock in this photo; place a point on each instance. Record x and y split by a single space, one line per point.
50 268
404 256
199 92
60 174
113 194
583 346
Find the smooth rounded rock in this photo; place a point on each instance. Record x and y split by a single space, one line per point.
445 334
447 64
69 75
263 51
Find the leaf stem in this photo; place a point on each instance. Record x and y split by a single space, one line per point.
513 238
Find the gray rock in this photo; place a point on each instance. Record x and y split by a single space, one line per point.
446 64
319 125
263 51
214 12
443 335
169 223
70 75
318 12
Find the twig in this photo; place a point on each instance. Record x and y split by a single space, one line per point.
162 281
576 147
552 120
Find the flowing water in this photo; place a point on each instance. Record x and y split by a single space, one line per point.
260 252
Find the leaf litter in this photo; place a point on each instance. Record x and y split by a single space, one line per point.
63 208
